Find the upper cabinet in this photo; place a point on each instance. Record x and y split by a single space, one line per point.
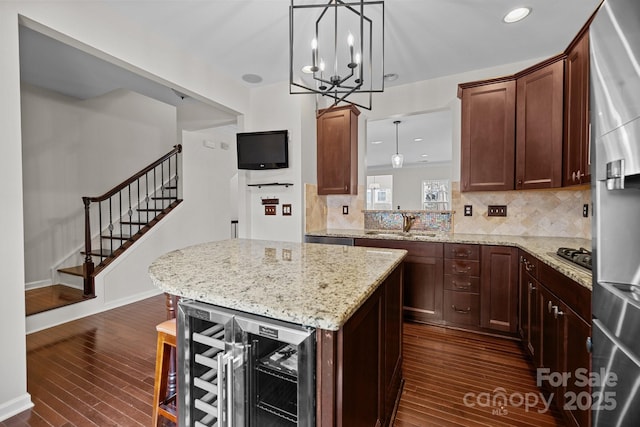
488 130
539 126
577 157
529 130
337 144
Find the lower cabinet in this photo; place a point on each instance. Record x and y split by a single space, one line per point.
358 372
529 320
556 333
423 277
498 288
462 284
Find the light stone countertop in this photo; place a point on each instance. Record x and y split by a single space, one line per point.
543 248
309 284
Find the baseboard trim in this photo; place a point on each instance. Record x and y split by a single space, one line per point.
15 406
47 319
37 284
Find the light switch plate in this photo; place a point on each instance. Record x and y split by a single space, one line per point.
468 210
286 210
497 210
269 210
345 210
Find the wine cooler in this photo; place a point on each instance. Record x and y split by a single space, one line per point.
241 370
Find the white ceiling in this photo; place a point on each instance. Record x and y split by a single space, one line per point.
424 39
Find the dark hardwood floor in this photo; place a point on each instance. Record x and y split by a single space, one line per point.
50 297
442 366
99 371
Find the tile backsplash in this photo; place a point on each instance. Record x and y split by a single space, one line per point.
441 222
529 213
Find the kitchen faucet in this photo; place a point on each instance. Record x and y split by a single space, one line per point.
407 222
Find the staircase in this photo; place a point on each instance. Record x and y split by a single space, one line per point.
124 214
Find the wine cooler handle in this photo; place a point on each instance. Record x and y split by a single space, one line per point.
220 388
229 381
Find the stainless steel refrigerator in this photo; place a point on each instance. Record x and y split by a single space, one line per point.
615 147
240 370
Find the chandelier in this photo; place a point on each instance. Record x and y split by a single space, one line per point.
336 50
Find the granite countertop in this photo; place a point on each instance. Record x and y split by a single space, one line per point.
543 248
309 284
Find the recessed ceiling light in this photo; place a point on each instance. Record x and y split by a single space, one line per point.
517 14
307 69
424 155
417 139
252 78
391 77
376 142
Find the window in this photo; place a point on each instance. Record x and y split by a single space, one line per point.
436 195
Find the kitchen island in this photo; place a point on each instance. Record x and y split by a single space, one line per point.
352 296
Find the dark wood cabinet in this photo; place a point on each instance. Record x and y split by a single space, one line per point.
462 278
539 118
528 322
488 134
337 150
423 277
576 153
499 288
556 311
359 367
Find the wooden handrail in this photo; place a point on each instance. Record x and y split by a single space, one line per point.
119 187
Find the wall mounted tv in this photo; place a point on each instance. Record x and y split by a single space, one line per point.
263 150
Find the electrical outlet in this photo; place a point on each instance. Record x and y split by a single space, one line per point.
585 210
269 210
497 210
468 210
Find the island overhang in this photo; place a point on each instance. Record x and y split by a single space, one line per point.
311 284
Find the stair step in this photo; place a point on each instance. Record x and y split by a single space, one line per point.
150 209
116 236
104 253
78 270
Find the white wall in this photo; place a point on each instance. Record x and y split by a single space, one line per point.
272 108
73 148
89 26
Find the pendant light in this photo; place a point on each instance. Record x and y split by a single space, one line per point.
397 159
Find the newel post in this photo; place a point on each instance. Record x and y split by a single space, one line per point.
88 261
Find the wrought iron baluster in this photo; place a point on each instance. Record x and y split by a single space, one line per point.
110 226
129 212
100 229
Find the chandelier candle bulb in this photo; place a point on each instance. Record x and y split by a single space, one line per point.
314 54
350 43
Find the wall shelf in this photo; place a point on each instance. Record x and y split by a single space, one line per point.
270 184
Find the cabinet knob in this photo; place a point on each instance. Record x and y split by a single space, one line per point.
519 182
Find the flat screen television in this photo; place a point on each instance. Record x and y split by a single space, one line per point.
263 150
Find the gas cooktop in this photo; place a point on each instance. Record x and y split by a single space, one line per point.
581 257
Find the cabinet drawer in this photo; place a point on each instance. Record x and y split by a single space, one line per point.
462 283
462 308
460 251
458 266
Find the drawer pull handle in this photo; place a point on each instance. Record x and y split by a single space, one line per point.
457 310
461 253
531 287
464 286
528 266
549 307
457 270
